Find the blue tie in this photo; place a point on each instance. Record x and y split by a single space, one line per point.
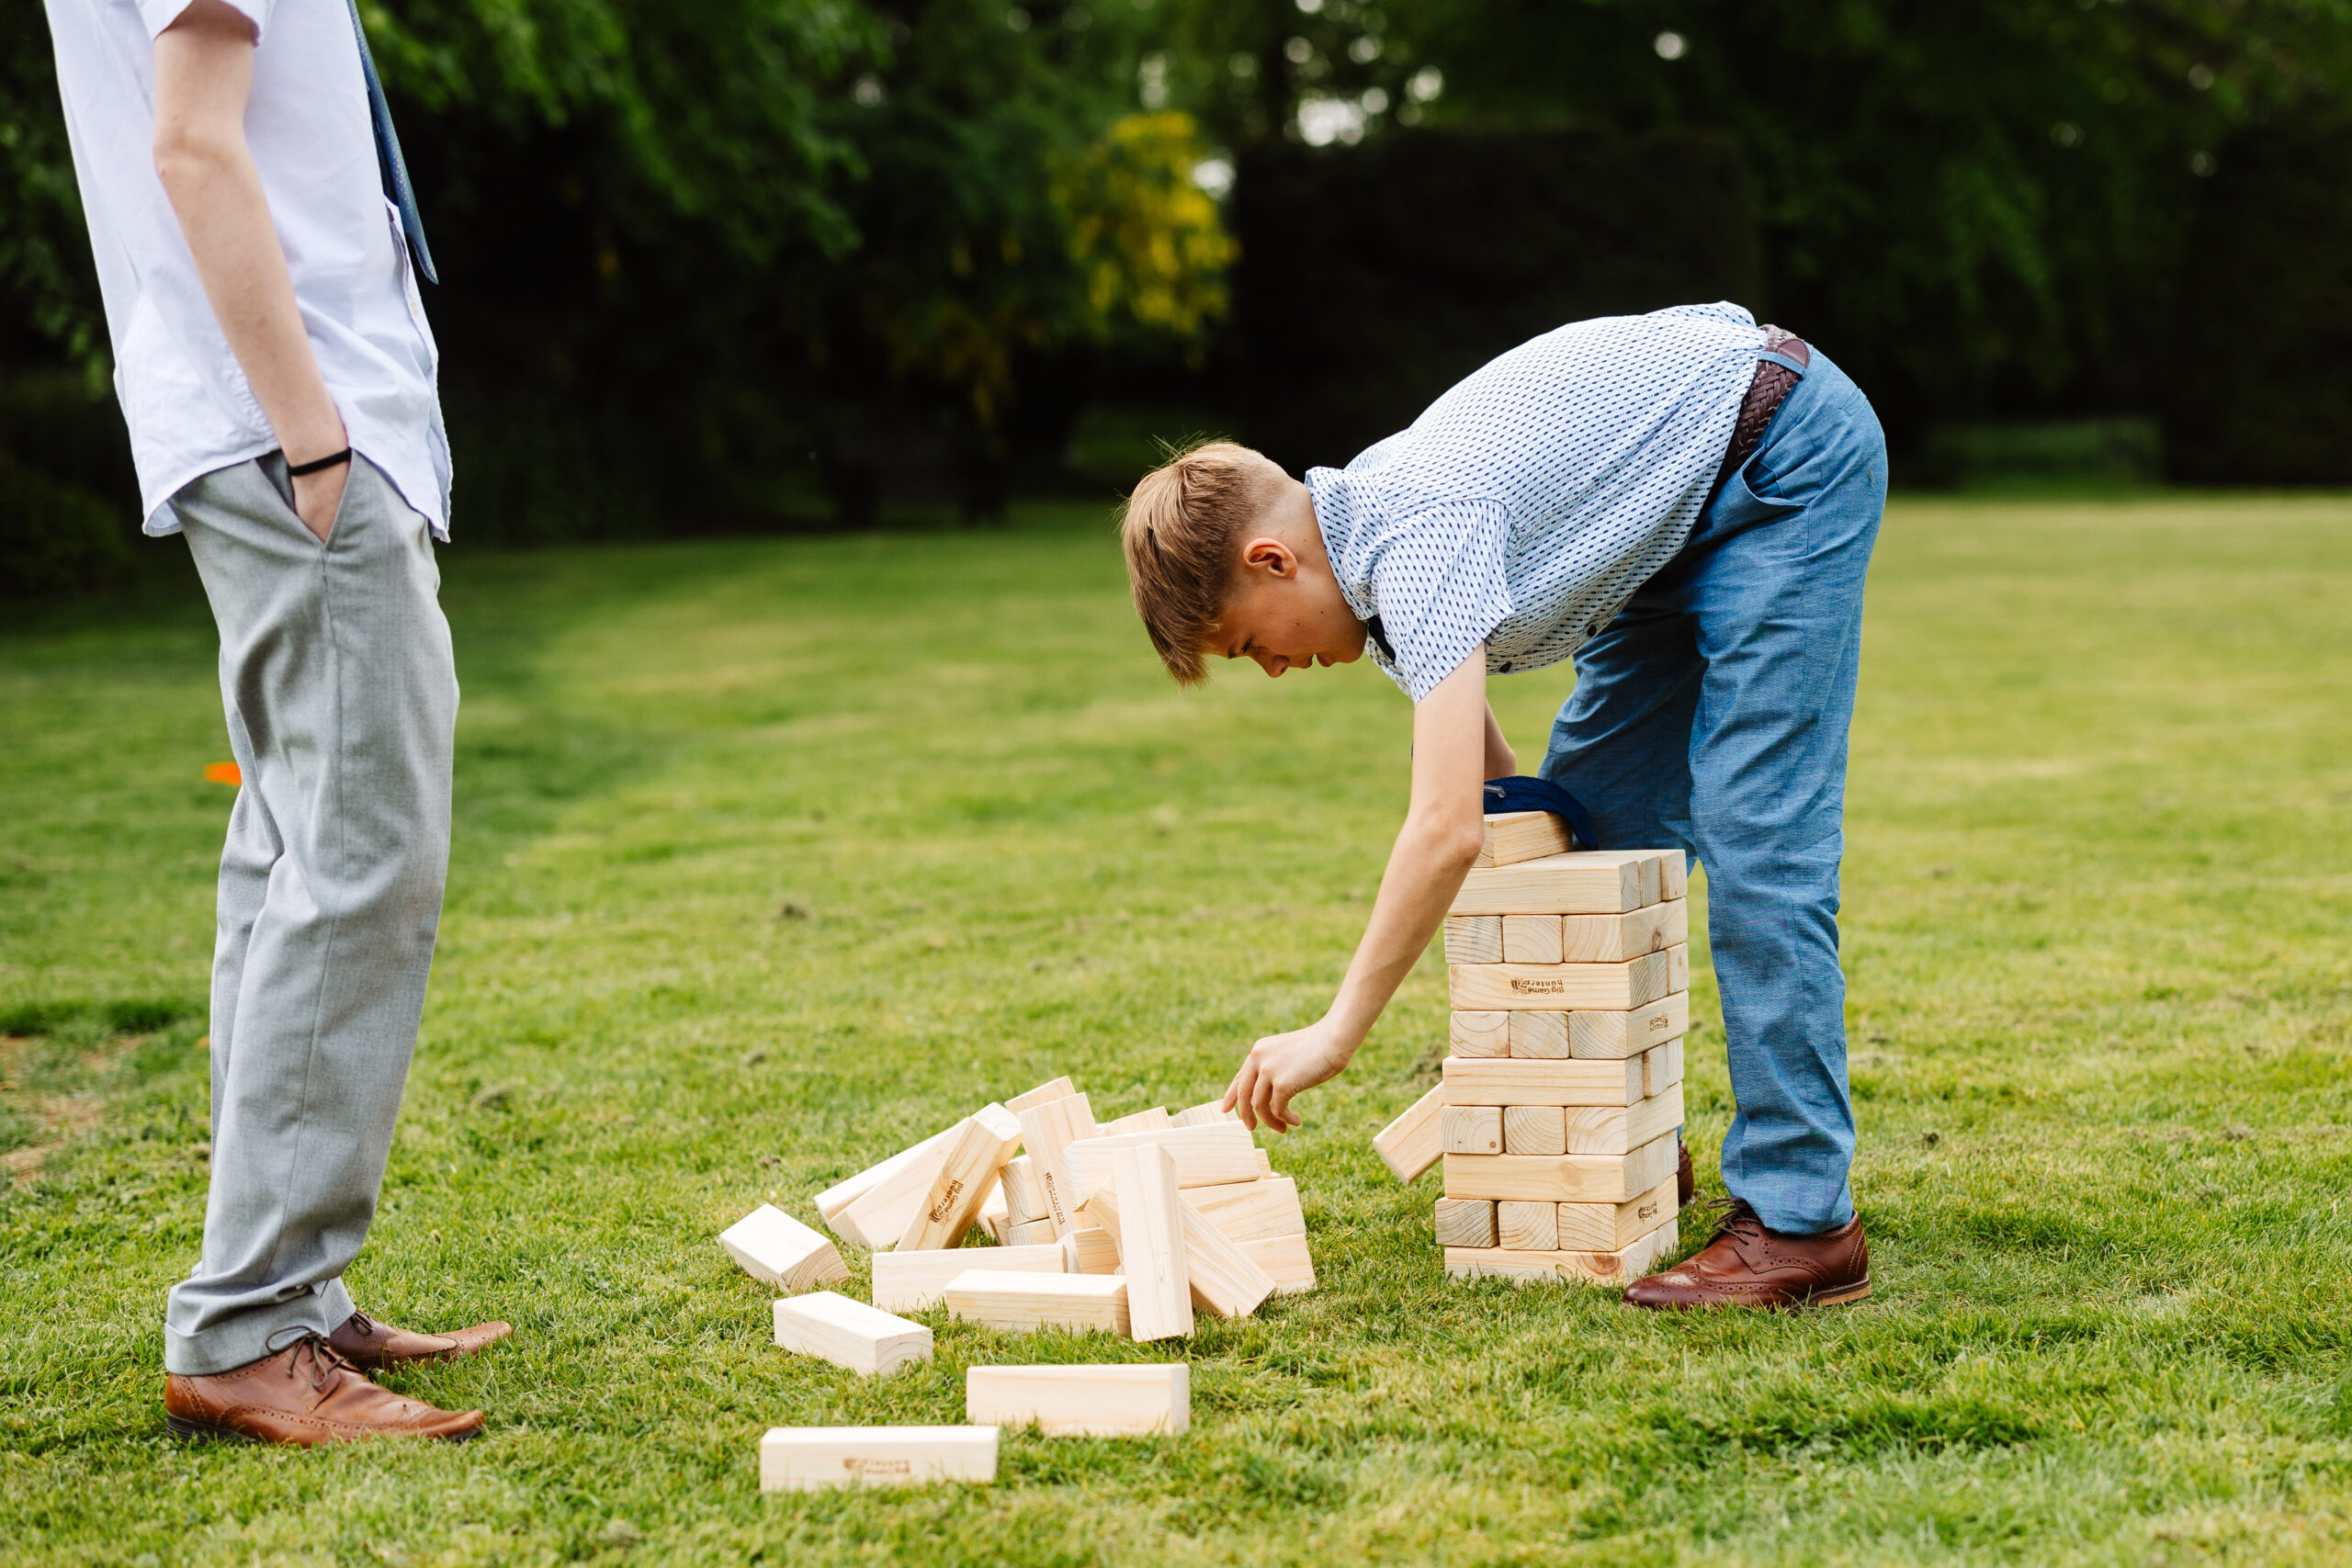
387 155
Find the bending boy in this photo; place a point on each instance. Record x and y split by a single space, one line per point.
1685 504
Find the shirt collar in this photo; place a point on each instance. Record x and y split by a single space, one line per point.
1346 524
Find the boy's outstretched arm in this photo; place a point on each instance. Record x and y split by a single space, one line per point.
1452 747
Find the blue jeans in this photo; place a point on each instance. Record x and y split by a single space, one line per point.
1711 714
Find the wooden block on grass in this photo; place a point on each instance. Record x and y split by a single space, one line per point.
1613 939
1524 1227
1092 1250
839 1195
1473 1082
1618 1267
1052 1089
1032 1233
1082 1402
967 1177
1024 1303
1474 939
1509 836
871 1208
1465 1222
1472 1129
1566 987
1599 1036
1206 1156
1534 1130
1210 1110
1538 1036
1611 1227
1411 1143
1285 1260
773 1246
1620 1129
1249 1210
849 1334
1046 1133
809 1459
1531 939
1151 1119
1024 1199
908 1281
1225 1282
1485 1033
1562 1179
1149 1225
1578 883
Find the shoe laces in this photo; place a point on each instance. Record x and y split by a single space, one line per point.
364 1327
1728 1217
314 1357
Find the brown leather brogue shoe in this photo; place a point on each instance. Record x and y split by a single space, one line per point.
369 1345
1743 1265
1686 1182
303 1395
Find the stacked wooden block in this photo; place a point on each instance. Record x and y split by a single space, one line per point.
1557 1114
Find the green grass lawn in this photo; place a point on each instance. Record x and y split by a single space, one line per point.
774 856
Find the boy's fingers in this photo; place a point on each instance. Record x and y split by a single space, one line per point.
1236 1096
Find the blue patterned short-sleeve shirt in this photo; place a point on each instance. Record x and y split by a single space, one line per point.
1525 506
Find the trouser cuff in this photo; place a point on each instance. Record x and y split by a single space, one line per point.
252 1335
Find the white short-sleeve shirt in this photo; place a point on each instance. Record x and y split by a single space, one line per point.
1525 506
186 400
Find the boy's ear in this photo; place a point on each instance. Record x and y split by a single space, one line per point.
1269 554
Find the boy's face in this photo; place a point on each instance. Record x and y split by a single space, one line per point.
1285 609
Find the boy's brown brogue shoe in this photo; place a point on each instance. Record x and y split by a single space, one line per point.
1743 1265
303 1395
369 1345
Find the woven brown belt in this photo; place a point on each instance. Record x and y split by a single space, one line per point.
1766 393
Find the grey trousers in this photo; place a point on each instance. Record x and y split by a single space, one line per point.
341 700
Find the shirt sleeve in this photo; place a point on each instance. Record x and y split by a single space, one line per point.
160 14
1441 590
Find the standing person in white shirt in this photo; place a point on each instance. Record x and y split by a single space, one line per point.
253 226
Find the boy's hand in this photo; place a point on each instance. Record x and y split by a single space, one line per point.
1280 1065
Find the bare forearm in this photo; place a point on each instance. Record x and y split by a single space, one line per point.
1502 762
1425 871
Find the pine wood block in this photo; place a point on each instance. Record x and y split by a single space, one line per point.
1562 1179
1210 1110
1613 939
1285 1260
1206 1156
1534 1130
1410 1145
999 1229
1266 1166
773 1246
1024 1303
809 1458
1474 939
1046 1133
910 1281
1570 1082
975 1161
1472 1129
1582 882
1225 1282
1465 1222
1151 1119
1510 837
850 1334
1524 1227
1654 1071
1092 1250
1533 938
1566 987
839 1195
1674 874
1678 960
871 1208
1031 1232
1622 1267
1538 1036
1611 1227
1484 1034
1150 1231
1051 1090
1599 1036
1024 1199
1082 1402
1617 1130
1249 1210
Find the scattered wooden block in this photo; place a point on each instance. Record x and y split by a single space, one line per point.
908 1281
1024 1303
1140 1208
1562 1179
999 1229
1092 1250
1046 1133
1052 1089
1223 1280
1465 1222
1611 1227
1534 1130
849 1334
809 1459
1581 882
1617 1268
1082 1402
1613 939
1524 1227
1206 1156
1474 939
1510 837
1566 988
1285 1260
1538 1036
1024 1199
1151 1119
1249 1210
966 1178
1617 1130
850 1207
1533 938
1265 1167
1210 1110
1032 1233
1486 1033
1571 1082
1472 1129
773 1246
839 1196
1411 1143
1606 1035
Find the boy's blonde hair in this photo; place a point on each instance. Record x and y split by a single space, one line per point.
1181 530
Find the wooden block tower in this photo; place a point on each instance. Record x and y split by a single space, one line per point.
1561 1099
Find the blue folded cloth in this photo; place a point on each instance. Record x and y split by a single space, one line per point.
1526 794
